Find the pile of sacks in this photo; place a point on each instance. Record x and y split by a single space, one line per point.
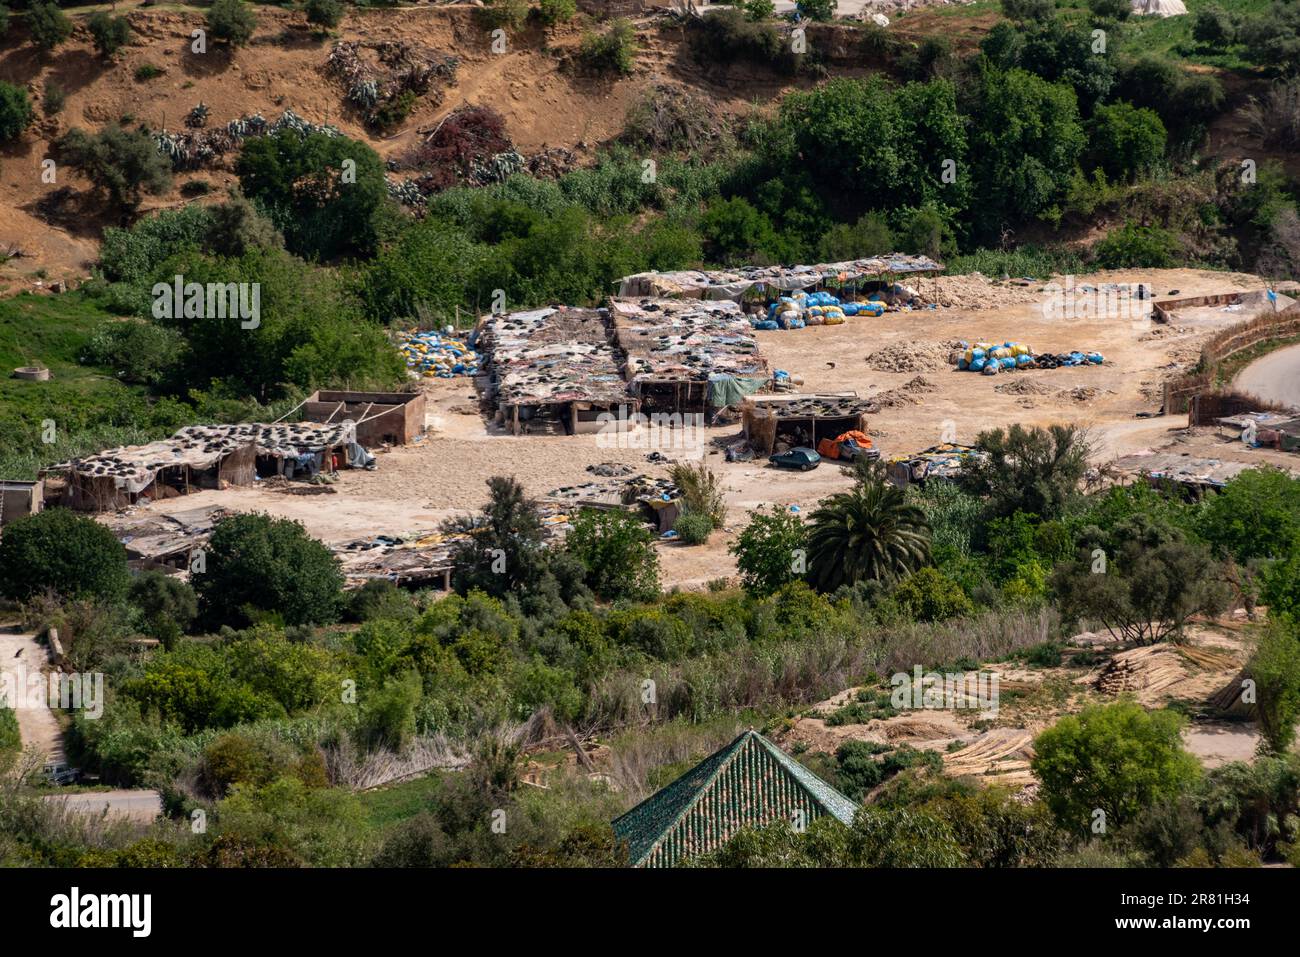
990 359
814 309
434 355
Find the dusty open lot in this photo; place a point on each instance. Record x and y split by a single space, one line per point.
415 488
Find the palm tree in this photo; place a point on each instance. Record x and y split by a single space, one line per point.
869 532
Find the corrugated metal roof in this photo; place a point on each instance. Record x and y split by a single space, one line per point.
749 783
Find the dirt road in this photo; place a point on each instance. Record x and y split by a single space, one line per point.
21 658
1274 377
139 806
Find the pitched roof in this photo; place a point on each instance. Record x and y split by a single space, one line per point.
748 783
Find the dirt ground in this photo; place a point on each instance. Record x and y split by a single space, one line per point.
36 725
415 488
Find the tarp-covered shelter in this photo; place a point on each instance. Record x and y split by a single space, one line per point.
1159 8
735 283
749 783
801 420
686 356
205 456
553 370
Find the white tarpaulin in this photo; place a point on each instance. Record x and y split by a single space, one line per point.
1159 8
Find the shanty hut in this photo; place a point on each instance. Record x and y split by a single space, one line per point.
737 283
382 418
553 371
801 420
749 783
686 356
19 498
204 456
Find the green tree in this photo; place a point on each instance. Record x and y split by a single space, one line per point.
759 10
323 192
109 33
1275 668
1117 759
1213 28
618 552
15 111
1125 140
820 10
929 595
503 548
1256 515
256 566
324 13
124 164
1281 591
1029 9
870 533
60 551
1026 141
770 551
1034 470
48 24
1143 580
557 11
231 22
168 606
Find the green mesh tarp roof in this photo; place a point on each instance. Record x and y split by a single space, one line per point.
749 783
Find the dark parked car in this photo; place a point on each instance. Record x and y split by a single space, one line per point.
800 458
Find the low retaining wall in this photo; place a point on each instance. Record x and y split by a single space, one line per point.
1181 391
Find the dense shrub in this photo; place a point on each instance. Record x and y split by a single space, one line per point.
125 164
109 33
1125 140
1137 247
612 51
557 11
231 22
15 111
618 552
139 352
771 550
324 13
48 24
258 566
63 552
1116 759
168 606
1275 668
1256 515
693 528
323 192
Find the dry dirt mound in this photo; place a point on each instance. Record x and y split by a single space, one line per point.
1023 386
976 291
909 393
911 356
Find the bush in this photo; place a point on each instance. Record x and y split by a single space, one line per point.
1110 9
138 352
324 13
1125 140
60 551
821 10
701 491
124 164
759 10
693 528
48 24
231 22
55 96
1138 247
618 552
1029 10
1114 758
109 33
1256 515
557 11
614 50
257 565
506 14
297 179
929 595
168 606
770 551
1275 668
148 71
1281 591
1213 28
15 111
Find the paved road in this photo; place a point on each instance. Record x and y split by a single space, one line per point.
141 806
1274 377
23 657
